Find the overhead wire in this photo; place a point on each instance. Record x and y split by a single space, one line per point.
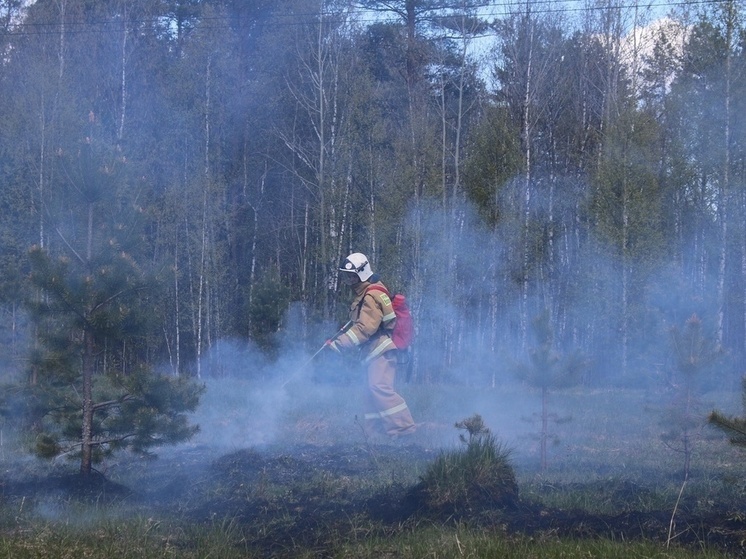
497 9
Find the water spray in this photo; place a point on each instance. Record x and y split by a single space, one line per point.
322 348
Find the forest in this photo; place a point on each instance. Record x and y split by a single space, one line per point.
185 174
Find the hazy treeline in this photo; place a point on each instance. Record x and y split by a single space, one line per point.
495 161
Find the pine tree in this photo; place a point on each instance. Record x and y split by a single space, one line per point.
734 427
695 356
91 389
547 370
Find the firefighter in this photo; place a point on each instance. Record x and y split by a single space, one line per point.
372 320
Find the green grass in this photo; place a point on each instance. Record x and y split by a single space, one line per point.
222 496
438 542
147 538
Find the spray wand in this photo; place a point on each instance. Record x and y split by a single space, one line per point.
322 348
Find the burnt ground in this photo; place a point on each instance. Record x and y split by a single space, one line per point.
314 495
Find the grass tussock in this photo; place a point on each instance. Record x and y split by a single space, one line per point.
476 477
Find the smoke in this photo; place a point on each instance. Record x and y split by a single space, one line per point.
474 310
474 330
468 307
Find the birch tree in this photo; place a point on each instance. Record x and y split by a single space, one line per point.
706 91
315 136
525 58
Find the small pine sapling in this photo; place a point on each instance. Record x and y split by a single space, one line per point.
684 417
547 369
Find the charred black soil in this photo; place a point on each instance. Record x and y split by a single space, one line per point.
311 496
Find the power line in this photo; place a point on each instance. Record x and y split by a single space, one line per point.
501 9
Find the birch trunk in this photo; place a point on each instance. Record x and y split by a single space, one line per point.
123 79
527 154
177 310
315 90
321 170
256 208
626 256
46 120
201 285
202 282
724 190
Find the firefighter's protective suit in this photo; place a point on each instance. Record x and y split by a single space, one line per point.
373 320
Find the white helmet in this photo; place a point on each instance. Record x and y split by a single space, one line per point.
357 263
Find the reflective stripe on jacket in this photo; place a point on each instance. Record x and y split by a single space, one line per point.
373 320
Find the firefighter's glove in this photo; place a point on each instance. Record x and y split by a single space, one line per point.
333 344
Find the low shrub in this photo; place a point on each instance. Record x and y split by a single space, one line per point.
474 477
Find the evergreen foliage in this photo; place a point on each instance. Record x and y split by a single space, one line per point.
266 312
733 427
549 370
696 358
91 364
91 388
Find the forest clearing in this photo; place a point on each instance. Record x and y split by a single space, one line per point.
318 488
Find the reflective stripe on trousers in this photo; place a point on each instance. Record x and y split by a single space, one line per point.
384 413
383 403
